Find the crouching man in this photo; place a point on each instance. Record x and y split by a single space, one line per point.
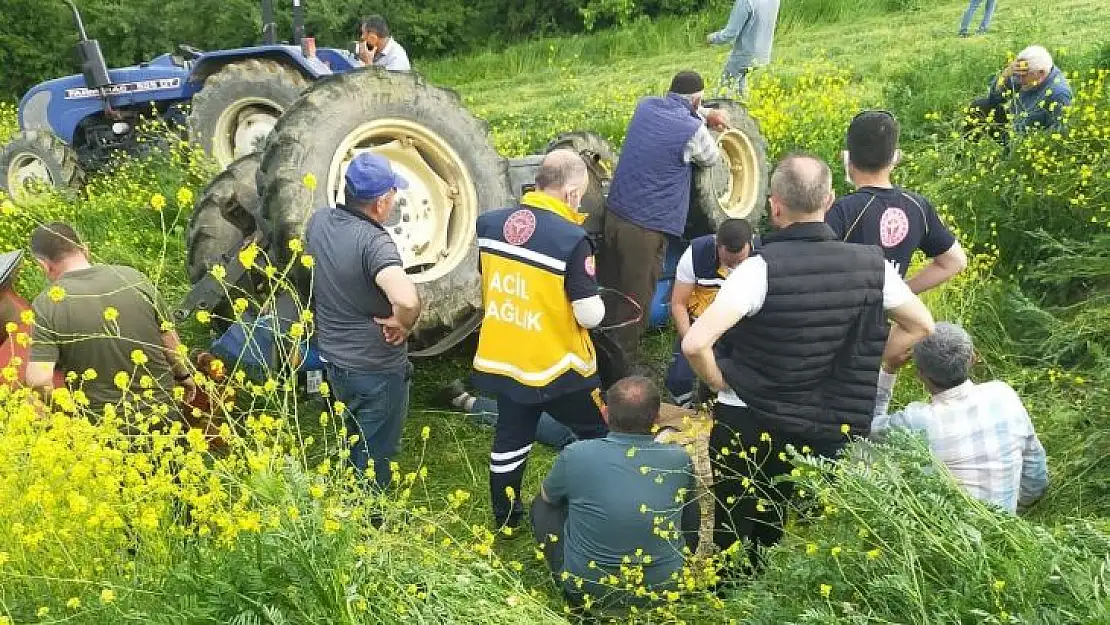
612 512
981 432
701 270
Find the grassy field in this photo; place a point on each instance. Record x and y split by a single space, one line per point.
1039 323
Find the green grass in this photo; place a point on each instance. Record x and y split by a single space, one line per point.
910 62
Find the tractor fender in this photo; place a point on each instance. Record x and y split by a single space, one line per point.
209 63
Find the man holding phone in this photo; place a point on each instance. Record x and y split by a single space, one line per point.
376 46
1030 93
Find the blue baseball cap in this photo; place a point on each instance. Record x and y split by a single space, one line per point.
371 176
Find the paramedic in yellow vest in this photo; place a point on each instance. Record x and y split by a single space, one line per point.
702 269
540 297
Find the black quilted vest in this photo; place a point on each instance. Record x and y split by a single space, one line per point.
808 361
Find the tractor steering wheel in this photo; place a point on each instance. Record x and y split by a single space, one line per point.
189 51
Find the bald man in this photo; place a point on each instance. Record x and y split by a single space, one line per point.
540 297
802 368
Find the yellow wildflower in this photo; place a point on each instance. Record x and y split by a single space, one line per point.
184 197
138 357
248 255
56 293
157 201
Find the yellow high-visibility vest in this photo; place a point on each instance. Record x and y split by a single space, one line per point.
530 338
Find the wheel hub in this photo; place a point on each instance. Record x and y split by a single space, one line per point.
432 222
740 194
242 127
252 128
27 171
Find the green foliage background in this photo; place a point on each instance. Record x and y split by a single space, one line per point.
37 36
892 541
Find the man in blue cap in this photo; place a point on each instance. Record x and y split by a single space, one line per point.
365 307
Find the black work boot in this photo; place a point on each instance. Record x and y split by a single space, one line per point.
450 392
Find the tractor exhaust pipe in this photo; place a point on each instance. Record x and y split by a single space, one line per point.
93 66
77 20
269 26
298 22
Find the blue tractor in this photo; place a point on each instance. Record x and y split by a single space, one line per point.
73 124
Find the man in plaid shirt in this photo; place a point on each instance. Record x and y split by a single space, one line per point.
981 432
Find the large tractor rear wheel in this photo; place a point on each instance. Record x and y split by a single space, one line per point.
737 186
601 161
240 105
37 159
445 153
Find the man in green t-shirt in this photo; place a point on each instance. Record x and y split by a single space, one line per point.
105 319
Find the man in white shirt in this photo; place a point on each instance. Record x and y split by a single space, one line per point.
701 271
378 47
801 370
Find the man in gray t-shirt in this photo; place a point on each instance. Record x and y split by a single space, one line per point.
619 502
365 307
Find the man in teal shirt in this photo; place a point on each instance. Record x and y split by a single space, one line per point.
751 31
618 500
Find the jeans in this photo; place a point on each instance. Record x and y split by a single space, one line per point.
734 80
680 376
972 7
548 432
376 406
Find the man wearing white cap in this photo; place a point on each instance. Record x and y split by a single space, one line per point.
365 307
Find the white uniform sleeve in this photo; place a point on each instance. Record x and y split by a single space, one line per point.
895 290
745 288
684 273
589 312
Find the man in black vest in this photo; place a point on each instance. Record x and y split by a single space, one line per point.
801 370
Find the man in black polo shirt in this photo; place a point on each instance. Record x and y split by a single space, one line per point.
880 213
801 370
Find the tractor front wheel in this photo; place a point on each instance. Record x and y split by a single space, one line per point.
239 106
601 162
35 160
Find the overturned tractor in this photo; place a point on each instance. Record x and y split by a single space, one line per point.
455 173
